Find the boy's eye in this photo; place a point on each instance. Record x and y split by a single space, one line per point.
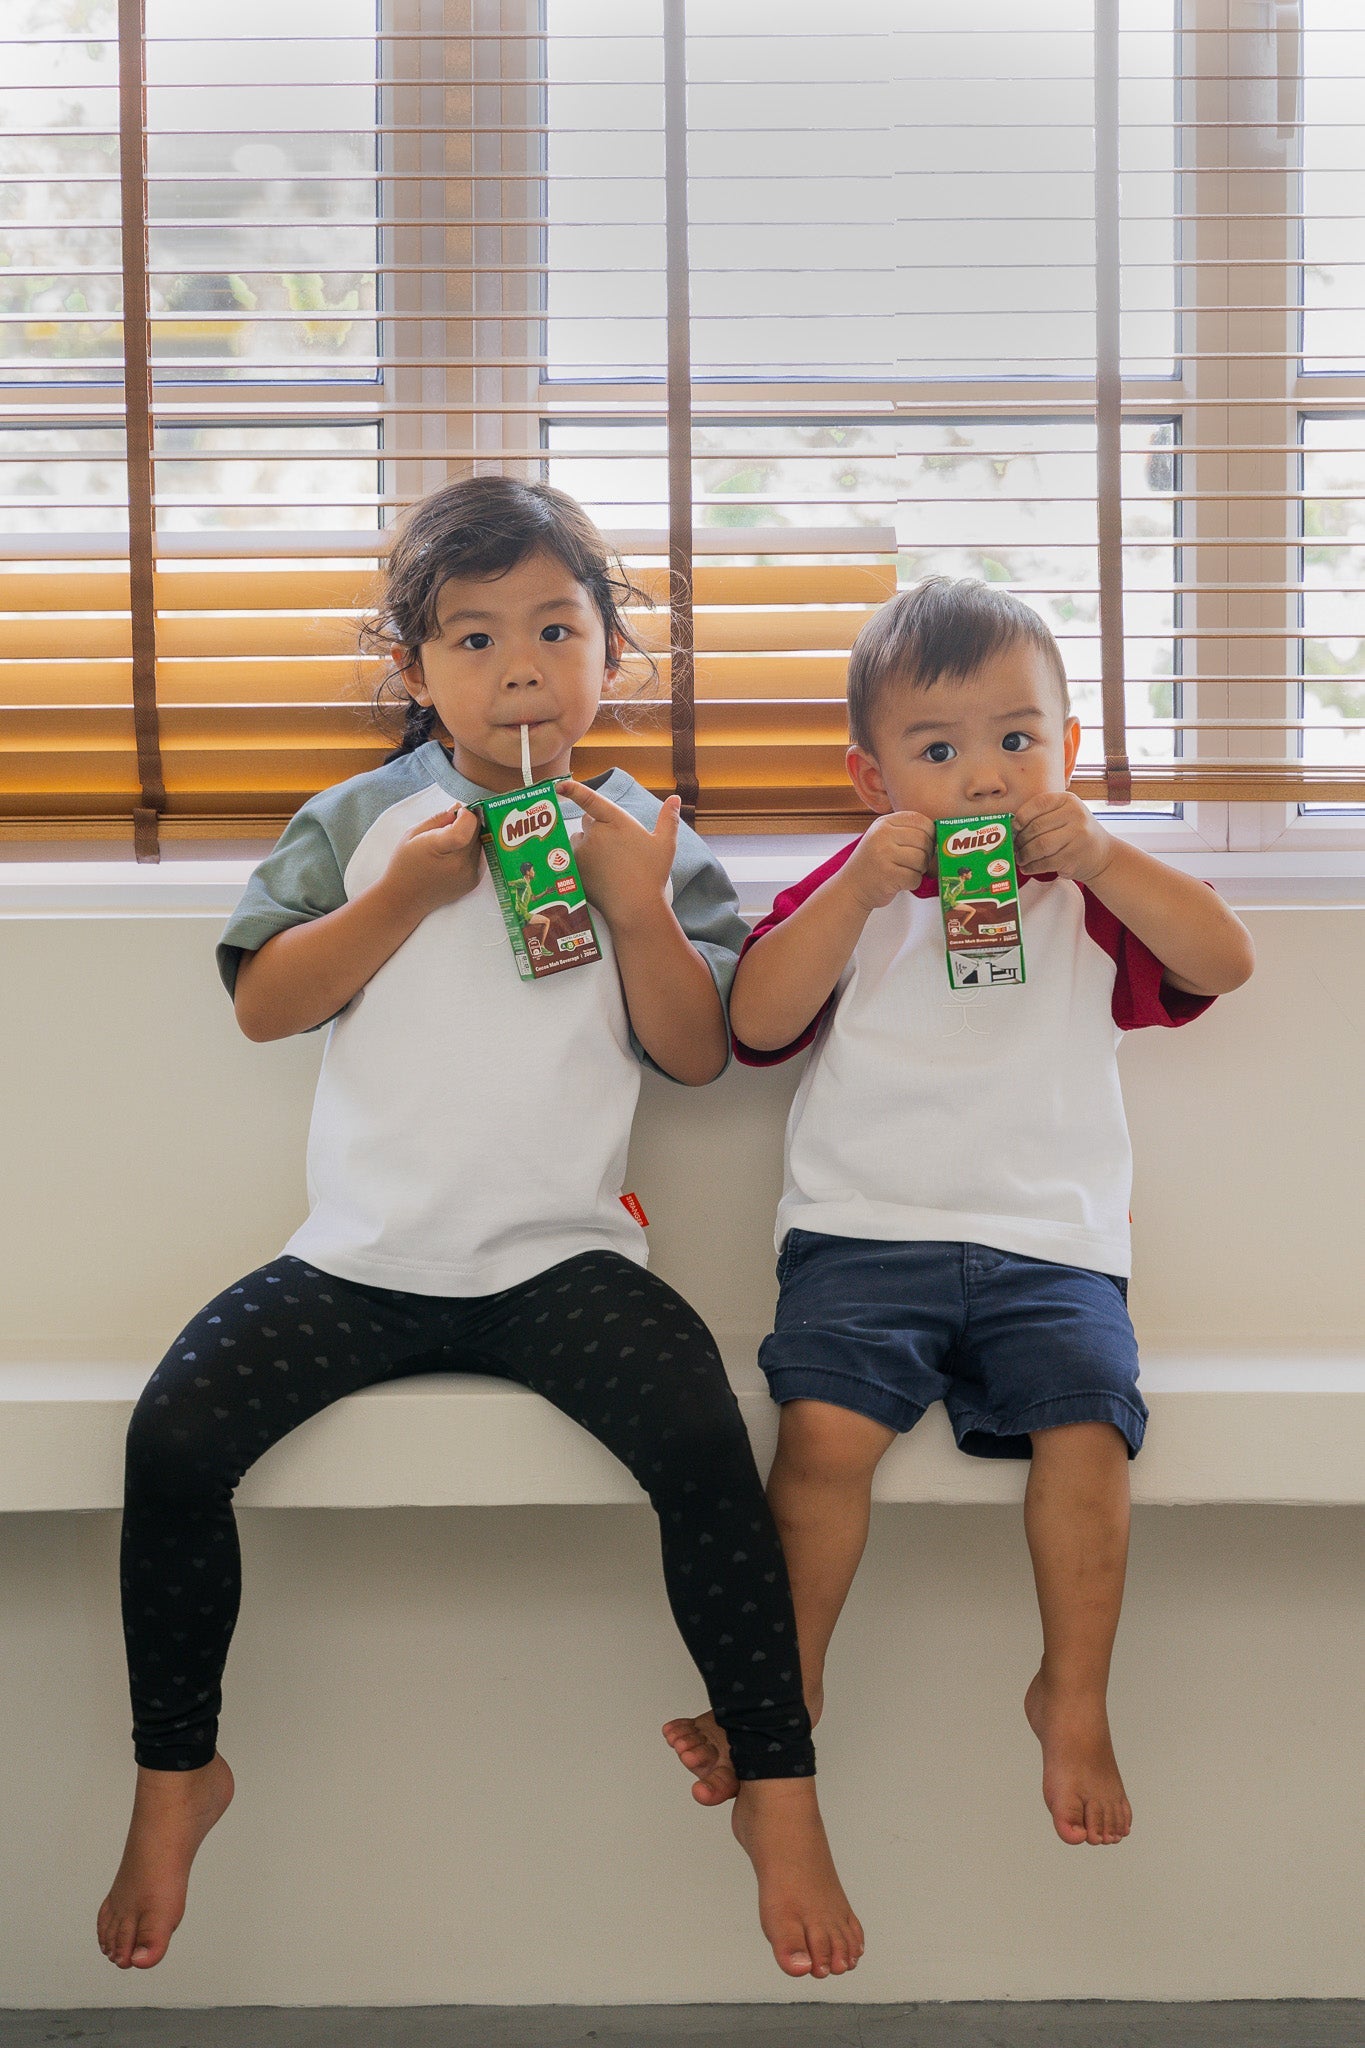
554 634
1016 742
476 642
940 750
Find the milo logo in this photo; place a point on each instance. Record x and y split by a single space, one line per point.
537 821
976 839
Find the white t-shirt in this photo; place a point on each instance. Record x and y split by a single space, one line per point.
469 1129
987 1116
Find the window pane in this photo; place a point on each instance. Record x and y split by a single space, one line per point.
604 105
60 285
275 479
262 198
261 165
1333 188
884 198
1333 689
66 487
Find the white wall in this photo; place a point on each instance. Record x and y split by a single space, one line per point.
444 1722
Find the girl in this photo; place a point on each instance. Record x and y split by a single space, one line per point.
427 1246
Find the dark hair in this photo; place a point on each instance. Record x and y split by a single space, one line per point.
482 526
939 629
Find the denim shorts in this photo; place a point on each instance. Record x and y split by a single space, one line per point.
1008 1344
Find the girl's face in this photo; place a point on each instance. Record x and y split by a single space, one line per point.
524 648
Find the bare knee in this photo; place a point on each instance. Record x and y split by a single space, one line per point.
1080 1448
1081 1467
819 1444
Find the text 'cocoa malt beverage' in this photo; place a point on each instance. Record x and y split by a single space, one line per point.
540 891
978 887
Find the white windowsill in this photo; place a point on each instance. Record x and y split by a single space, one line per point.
1225 1428
186 885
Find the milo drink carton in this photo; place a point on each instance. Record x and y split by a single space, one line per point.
540 892
978 886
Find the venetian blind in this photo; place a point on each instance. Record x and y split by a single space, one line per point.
799 312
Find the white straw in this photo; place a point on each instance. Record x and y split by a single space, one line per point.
526 753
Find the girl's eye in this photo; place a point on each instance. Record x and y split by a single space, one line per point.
940 750
554 634
1016 742
476 642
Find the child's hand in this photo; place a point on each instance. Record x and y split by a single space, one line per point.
1057 834
625 867
894 853
437 862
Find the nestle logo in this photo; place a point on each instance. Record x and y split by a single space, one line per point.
536 822
979 839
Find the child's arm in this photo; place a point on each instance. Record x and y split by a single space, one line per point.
305 975
674 1009
1205 949
786 977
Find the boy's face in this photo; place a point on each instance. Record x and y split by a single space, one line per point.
963 748
525 648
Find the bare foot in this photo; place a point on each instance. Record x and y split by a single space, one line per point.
1081 1783
801 1904
172 1813
704 1747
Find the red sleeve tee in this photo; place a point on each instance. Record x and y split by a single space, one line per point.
990 1115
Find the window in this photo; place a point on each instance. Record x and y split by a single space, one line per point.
437 236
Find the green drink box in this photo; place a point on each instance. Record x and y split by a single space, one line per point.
978 886
540 891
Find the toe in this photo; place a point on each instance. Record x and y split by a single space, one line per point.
151 1939
689 1742
793 1951
820 1948
148 1949
1068 1817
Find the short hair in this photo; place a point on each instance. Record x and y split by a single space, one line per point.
941 628
482 526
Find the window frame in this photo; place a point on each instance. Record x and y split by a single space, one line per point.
1286 837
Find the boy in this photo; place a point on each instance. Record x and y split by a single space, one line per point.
954 1223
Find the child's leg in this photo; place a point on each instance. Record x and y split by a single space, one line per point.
1076 1519
626 1357
281 1345
820 1492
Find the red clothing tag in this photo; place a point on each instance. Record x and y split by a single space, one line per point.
633 1203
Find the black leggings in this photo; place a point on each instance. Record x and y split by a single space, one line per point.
602 1339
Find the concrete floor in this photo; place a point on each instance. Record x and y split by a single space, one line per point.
1325 2023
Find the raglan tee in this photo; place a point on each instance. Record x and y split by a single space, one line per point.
469 1129
989 1116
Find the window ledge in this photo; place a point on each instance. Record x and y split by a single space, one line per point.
760 867
1227 1427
